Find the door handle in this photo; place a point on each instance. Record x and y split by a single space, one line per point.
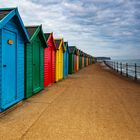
4 65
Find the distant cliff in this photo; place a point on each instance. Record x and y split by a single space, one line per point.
102 58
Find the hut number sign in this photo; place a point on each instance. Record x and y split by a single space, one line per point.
10 42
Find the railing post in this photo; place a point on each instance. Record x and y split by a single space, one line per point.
117 66
114 65
126 69
135 71
121 67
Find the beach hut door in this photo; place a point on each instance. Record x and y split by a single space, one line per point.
8 67
36 66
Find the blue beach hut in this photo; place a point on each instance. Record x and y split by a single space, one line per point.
13 36
65 59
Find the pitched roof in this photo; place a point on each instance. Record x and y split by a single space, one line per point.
83 54
4 12
31 30
47 35
34 30
57 42
72 49
77 51
80 52
66 46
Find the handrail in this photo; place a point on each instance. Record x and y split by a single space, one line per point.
126 69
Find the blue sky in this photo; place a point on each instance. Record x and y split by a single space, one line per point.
98 27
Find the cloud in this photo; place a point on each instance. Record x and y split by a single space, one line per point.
99 27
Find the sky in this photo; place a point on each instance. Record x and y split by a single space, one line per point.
108 28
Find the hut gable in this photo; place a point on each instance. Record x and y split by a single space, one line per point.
58 43
80 52
50 39
72 49
77 51
47 35
66 46
4 12
34 31
31 30
8 14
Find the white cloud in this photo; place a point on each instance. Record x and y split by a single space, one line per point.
95 26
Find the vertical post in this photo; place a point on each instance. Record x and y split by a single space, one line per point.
121 67
114 65
135 71
117 66
126 69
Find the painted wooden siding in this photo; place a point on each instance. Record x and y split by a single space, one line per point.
20 69
19 93
67 62
53 65
41 66
77 58
20 58
65 65
87 61
0 65
47 66
71 64
57 66
29 68
61 63
75 63
49 62
82 61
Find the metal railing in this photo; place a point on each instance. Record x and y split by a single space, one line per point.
129 70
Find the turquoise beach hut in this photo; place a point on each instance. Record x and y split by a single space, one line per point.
66 60
13 36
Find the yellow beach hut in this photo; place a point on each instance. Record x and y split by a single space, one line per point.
59 59
77 58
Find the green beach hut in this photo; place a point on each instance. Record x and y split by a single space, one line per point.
34 61
80 59
72 50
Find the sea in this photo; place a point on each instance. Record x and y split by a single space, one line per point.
131 66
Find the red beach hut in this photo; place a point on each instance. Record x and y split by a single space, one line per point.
49 60
76 60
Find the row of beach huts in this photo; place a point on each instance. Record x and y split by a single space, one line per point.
30 59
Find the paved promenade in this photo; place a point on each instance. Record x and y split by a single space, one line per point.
93 104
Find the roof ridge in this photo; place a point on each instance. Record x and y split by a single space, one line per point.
32 26
7 9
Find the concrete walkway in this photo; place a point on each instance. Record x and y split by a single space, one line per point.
93 104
